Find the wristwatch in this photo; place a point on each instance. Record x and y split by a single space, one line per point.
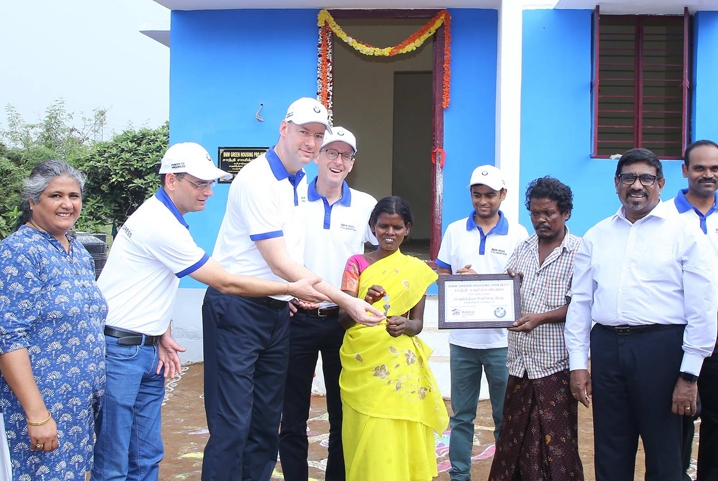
686 376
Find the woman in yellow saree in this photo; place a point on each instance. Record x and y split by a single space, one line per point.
391 403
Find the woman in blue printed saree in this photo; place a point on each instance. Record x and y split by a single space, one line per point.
391 403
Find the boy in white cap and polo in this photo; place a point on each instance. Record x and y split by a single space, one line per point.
246 339
336 228
478 244
149 256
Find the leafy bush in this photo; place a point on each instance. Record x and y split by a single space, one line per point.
121 175
121 172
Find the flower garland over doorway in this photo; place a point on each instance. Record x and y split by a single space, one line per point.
327 25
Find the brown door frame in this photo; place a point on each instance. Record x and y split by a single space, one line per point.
437 178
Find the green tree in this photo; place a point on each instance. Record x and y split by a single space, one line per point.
122 172
121 175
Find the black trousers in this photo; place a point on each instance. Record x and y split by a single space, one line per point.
708 442
633 378
246 350
310 335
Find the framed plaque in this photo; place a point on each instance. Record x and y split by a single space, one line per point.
471 301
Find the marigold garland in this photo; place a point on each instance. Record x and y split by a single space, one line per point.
325 70
327 25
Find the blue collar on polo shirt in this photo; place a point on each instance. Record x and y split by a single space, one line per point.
683 205
501 228
345 200
165 199
280 172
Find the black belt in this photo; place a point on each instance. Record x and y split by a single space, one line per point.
321 312
268 302
130 338
628 330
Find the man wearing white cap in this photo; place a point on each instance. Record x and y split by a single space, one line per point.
149 256
246 339
481 243
336 228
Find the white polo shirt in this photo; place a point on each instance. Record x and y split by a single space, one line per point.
336 232
465 243
708 223
149 255
265 202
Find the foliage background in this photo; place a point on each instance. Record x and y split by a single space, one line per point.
121 172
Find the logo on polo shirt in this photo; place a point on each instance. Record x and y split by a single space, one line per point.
348 227
127 230
500 252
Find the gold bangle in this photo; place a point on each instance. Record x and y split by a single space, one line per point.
33 423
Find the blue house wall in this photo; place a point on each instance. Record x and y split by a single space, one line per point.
556 117
470 120
224 64
705 73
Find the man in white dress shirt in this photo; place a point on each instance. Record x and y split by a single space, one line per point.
645 277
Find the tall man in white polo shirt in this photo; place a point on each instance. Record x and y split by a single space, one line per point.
246 339
149 256
336 228
697 204
479 244
645 277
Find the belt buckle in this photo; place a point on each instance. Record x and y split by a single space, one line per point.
129 341
623 331
321 312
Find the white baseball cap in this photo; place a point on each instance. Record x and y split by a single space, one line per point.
489 176
340 134
307 110
191 158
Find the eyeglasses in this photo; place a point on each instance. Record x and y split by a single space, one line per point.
332 154
199 185
647 180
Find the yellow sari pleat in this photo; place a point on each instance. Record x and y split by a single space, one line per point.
390 396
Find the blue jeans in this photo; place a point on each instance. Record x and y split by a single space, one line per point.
129 438
466 365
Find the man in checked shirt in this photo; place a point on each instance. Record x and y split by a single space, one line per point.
539 434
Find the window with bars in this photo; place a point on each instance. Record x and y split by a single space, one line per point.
640 84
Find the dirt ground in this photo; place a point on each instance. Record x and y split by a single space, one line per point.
184 429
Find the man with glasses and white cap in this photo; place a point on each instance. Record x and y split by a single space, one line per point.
149 256
481 243
336 228
246 339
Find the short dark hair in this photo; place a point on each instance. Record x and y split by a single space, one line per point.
697 143
640 155
392 205
550 188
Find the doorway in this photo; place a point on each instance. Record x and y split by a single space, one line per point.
389 103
